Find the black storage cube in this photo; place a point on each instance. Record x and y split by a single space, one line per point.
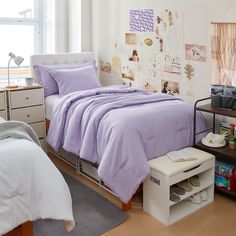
228 102
216 100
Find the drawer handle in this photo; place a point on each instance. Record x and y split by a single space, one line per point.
192 168
27 98
28 115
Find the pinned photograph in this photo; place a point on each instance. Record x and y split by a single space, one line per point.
105 67
169 87
130 38
195 52
134 57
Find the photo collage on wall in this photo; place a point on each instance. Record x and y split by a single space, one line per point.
153 48
151 52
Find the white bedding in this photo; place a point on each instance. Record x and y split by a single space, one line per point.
50 102
31 186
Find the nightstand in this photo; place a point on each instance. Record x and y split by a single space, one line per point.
27 104
3 104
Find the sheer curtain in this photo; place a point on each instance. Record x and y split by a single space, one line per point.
223 49
48 26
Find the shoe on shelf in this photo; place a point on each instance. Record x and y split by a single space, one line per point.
196 198
185 185
174 197
177 190
204 195
194 181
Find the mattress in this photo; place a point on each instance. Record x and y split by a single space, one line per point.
50 102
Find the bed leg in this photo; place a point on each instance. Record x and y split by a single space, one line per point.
47 124
127 206
27 229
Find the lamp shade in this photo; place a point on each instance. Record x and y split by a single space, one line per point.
18 60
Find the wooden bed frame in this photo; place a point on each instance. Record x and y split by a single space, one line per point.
25 229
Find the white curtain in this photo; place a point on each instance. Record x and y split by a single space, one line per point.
48 26
61 26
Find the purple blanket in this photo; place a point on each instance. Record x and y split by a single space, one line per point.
121 128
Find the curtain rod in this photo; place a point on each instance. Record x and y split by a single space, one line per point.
223 22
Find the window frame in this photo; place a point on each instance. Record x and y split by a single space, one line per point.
35 22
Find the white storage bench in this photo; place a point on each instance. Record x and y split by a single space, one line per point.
164 173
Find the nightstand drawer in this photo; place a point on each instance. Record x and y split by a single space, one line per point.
26 98
28 114
2 101
39 129
3 114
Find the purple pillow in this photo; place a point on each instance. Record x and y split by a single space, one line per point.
76 79
47 81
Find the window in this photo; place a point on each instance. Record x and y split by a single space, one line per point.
25 27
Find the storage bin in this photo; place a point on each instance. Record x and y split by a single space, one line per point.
216 100
225 176
222 101
228 102
223 96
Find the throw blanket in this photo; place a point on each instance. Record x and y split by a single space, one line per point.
17 129
121 128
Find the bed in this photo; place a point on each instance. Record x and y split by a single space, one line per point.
117 128
30 182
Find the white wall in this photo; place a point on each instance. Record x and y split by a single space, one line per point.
80 31
61 26
74 25
111 18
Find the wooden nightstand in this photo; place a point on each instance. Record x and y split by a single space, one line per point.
3 104
27 104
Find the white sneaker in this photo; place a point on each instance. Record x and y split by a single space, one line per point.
204 195
196 198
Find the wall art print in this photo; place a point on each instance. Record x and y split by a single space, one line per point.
169 87
105 67
141 20
130 38
195 52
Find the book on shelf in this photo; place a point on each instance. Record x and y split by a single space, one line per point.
181 155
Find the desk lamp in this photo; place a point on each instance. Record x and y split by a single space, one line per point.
18 60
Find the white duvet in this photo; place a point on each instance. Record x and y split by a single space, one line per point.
31 187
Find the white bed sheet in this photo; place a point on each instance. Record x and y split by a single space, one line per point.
50 102
31 186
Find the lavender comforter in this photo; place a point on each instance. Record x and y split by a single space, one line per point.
121 128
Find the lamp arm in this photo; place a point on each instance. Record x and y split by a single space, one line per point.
8 74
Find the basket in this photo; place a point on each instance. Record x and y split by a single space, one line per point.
229 102
222 101
216 100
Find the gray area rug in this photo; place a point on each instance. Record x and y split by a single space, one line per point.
93 214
